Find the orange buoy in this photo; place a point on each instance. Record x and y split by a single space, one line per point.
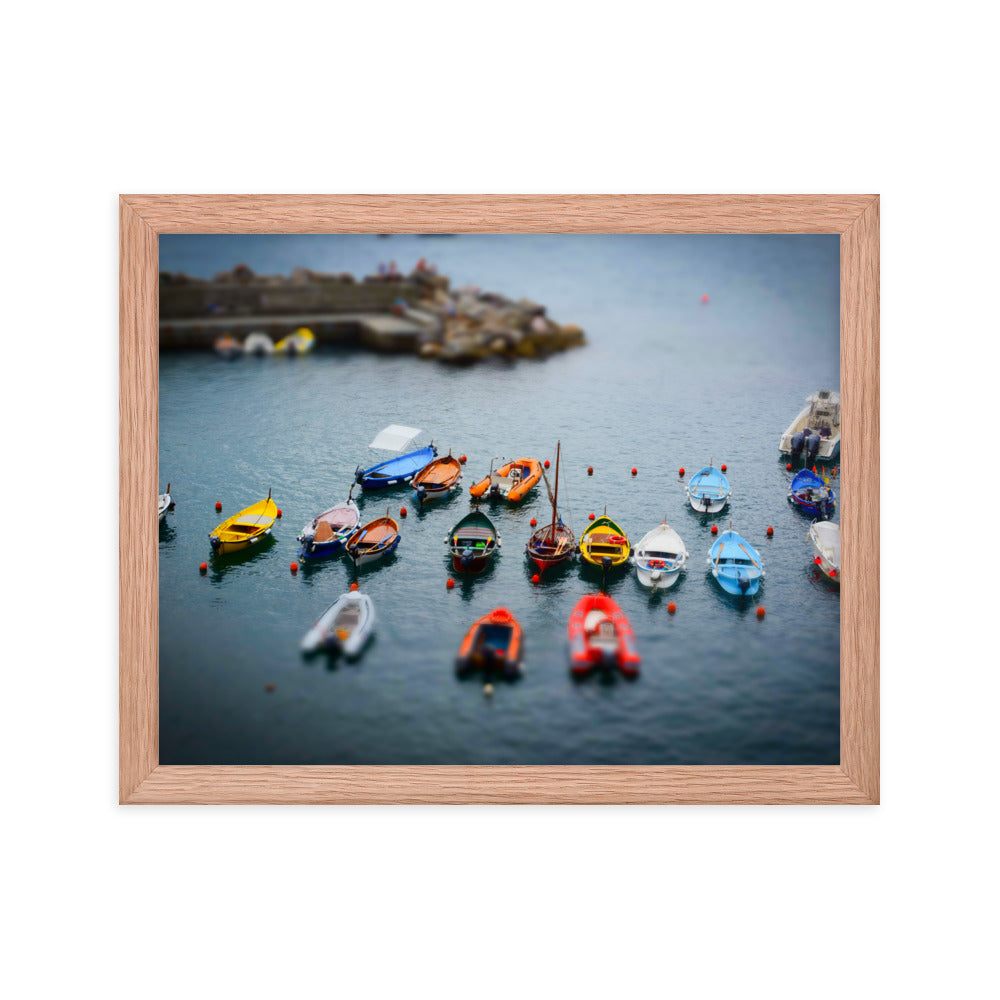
533 522
591 517
546 463
671 608
218 505
536 578
203 568
770 531
817 560
704 300
789 467
450 584
294 567
269 688
680 471
402 512
723 466
814 470
354 586
760 612
635 471
279 512
715 529
590 470
833 572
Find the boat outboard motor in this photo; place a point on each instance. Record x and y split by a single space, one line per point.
421 494
813 445
798 440
744 582
358 475
214 539
466 558
609 659
707 501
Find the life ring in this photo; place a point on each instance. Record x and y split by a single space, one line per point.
617 539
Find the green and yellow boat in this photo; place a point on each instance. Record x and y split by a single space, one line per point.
604 544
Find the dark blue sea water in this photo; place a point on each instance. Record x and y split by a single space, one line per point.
665 381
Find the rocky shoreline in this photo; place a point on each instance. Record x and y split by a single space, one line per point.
417 312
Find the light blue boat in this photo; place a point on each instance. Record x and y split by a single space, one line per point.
399 470
708 491
736 564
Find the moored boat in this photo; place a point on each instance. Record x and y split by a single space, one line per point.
555 542
301 341
164 503
399 470
512 481
258 344
825 538
812 494
373 541
604 544
600 636
493 645
244 529
227 347
659 557
344 627
472 543
815 433
325 535
437 479
708 491
736 564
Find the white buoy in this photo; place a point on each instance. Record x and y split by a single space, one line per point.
488 690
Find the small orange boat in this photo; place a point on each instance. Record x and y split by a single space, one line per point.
511 482
437 479
492 645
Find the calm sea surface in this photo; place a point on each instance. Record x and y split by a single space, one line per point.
664 382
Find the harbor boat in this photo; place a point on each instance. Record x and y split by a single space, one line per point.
708 491
555 542
344 627
736 564
604 544
812 494
164 503
659 557
437 479
492 645
258 344
512 481
325 535
601 637
244 529
376 539
825 538
472 543
301 341
227 347
815 433
395 471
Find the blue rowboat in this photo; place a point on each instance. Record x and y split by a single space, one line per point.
812 494
736 564
708 491
399 470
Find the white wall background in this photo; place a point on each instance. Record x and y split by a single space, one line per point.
482 902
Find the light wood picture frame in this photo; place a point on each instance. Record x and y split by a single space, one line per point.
144 217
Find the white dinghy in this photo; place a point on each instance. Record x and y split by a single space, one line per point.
825 538
659 557
815 433
164 503
344 627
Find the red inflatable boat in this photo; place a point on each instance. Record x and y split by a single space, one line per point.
600 637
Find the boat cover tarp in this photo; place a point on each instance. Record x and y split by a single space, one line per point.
395 437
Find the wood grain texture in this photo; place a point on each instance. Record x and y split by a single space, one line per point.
144 217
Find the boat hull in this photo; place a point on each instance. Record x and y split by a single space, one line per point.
395 471
736 565
511 482
345 627
244 530
601 638
340 523
493 646
547 548
825 538
708 491
472 543
605 539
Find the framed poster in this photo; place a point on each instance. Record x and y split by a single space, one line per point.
591 238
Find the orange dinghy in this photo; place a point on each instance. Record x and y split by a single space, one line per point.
437 479
492 645
511 482
601 636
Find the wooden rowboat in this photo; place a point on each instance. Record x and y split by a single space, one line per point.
604 544
437 479
244 529
552 543
376 539
472 543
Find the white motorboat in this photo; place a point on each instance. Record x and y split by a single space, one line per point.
164 503
659 557
344 627
258 344
815 432
825 538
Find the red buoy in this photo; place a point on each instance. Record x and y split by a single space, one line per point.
294 567
770 531
462 460
635 471
833 572
789 467
704 300
671 608
817 560
269 688
218 505
203 568
814 470
760 612
353 586
279 512
591 517
533 522
590 470
723 466
535 578
402 512
680 471
450 584
546 463
715 529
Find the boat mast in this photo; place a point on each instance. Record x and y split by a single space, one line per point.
552 530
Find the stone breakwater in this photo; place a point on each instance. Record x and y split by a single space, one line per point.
417 312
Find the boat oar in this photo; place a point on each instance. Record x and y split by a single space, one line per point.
750 557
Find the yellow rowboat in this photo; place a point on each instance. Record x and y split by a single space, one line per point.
605 540
300 342
245 528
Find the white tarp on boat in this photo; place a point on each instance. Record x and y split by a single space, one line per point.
395 438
